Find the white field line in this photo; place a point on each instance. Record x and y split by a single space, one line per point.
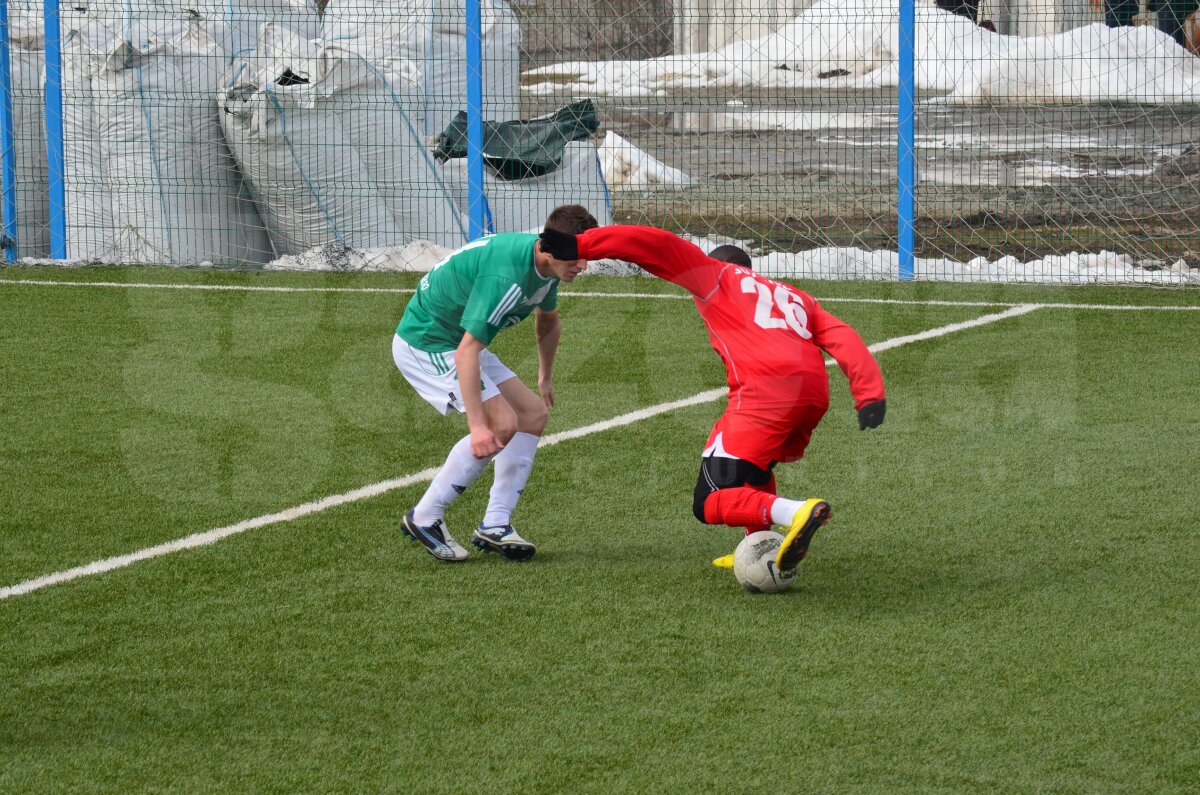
375 489
896 342
246 288
249 288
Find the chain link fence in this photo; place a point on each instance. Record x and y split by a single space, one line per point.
1053 140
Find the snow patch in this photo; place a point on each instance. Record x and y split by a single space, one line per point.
417 256
626 167
855 44
1105 267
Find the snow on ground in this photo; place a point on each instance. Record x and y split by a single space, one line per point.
419 255
822 263
625 167
852 263
855 44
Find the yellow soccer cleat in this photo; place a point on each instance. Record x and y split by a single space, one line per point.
812 514
724 562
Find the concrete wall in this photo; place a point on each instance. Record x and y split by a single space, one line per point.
1040 17
562 30
704 25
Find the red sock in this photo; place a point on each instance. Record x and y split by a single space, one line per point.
768 488
741 507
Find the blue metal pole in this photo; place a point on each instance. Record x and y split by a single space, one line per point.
54 134
476 201
906 164
8 158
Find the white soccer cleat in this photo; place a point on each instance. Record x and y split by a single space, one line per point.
505 540
435 538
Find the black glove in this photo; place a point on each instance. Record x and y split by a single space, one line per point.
871 415
560 245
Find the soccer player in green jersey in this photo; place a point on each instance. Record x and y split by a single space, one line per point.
441 348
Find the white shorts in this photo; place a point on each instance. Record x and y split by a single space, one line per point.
435 376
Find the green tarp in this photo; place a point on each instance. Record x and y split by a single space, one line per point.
521 149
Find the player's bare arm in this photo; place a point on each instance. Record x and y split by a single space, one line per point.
484 441
548 330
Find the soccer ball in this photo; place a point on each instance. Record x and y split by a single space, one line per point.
754 563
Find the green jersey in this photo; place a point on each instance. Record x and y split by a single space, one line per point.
485 286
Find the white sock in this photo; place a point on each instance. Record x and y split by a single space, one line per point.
783 511
460 471
513 465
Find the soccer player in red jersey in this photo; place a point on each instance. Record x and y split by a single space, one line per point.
772 339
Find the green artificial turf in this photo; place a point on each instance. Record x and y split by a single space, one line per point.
1005 600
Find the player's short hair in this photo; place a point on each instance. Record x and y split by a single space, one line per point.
572 219
732 254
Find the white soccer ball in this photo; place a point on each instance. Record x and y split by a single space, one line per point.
754 563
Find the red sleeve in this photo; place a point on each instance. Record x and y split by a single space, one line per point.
841 342
659 252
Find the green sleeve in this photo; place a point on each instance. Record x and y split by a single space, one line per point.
489 302
550 302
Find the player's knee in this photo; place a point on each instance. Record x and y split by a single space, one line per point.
533 420
505 432
503 423
717 473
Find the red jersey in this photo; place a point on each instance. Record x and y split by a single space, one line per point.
771 336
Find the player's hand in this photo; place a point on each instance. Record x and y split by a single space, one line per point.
484 443
560 245
871 415
546 388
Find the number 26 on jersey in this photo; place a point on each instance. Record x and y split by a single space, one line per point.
788 304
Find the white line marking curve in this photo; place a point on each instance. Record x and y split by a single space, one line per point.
375 489
248 288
